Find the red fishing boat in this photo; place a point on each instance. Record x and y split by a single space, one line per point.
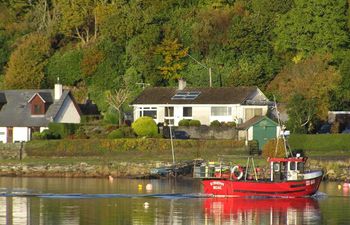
287 178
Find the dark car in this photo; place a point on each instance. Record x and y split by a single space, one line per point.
179 134
324 129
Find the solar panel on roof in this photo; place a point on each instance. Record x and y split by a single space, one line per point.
191 95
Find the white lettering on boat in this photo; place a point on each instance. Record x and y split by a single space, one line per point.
217 185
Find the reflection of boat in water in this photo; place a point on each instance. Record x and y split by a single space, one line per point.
262 211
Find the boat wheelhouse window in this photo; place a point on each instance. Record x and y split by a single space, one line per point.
292 166
276 166
300 166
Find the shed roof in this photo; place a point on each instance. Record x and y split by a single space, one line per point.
253 121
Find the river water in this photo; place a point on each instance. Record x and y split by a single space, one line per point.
73 201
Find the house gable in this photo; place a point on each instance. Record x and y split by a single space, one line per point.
37 105
69 112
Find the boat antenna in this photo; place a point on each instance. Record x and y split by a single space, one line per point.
171 136
282 132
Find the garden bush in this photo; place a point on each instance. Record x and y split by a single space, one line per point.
118 133
215 123
184 122
63 129
195 123
269 149
145 127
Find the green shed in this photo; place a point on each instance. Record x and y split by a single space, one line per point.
259 128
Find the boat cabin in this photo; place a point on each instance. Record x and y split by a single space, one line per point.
287 168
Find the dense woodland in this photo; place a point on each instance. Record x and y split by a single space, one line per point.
296 50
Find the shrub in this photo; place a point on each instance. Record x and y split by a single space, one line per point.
184 122
38 136
269 149
118 133
128 131
215 123
195 123
63 129
145 127
231 124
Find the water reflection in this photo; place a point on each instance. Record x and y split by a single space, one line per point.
262 211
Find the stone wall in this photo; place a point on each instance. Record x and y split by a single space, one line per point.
206 132
12 151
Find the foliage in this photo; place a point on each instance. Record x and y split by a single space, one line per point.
63 129
145 127
27 62
184 122
314 79
173 55
46 135
274 148
195 123
116 134
116 99
70 61
306 27
141 146
215 123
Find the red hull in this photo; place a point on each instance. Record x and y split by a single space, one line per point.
231 188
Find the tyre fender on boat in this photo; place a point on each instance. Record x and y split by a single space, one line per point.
236 172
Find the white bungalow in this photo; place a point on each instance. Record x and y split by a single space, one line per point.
225 104
23 112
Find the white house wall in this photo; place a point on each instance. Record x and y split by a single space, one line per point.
3 134
250 133
68 113
21 134
202 112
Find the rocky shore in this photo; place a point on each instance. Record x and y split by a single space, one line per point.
334 170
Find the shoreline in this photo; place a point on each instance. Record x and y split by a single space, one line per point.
334 170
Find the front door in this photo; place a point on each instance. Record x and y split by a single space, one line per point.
9 134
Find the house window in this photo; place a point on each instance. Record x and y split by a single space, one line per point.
221 111
148 111
250 113
187 112
37 109
169 111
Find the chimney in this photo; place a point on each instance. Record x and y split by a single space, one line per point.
58 89
182 84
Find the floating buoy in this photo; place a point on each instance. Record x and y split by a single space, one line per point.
339 186
110 178
146 205
346 185
139 186
149 187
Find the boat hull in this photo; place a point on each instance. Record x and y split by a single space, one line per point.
234 188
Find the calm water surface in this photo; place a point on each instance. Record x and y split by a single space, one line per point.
36 201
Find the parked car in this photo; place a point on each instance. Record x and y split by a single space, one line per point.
346 131
324 129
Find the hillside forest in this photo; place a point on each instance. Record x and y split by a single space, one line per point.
295 50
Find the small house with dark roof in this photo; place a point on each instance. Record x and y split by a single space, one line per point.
225 104
23 112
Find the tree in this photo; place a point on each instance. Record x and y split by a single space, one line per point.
313 78
313 26
301 113
116 99
78 19
27 62
173 54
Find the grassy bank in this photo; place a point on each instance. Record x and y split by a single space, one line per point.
322 144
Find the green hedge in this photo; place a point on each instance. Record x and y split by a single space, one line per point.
320 142
101 147
63 129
